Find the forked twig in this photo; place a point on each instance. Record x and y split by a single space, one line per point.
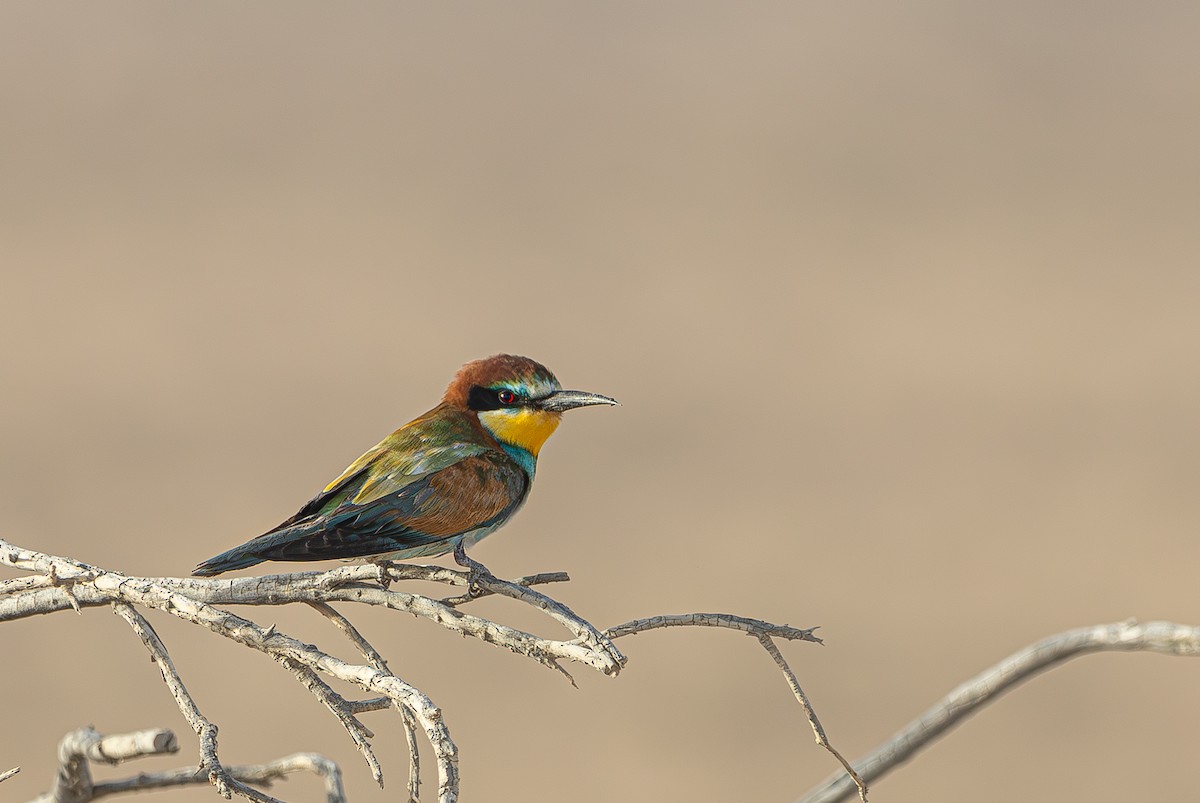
764 632
76 585
818 731
73 782
262 774
359 733
210 765
377 660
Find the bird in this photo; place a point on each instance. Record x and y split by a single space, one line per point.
438 484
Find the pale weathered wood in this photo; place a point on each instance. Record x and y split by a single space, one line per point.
73 782
764 632
1161 637
62 583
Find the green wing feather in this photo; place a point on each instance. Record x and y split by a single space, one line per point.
416 450
396 499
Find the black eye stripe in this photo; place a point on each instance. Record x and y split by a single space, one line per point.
480 398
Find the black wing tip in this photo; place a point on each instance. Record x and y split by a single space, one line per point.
225 562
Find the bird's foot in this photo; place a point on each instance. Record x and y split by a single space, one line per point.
381 573
476 571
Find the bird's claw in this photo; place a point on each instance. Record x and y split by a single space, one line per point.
476 571
381 574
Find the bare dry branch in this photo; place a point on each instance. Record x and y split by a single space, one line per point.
377 660
343 584
818 730
754 627
4 776
210 765
63 583
528 580
1160 637
763 632
359 733
92 586
73 783
260 774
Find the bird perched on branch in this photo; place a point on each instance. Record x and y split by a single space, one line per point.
439 483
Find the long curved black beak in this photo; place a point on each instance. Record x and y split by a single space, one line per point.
562 400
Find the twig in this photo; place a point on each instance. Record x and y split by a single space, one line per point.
359 733
377 660
763 632
526 581
262 774
72 584
74 784
344 584
279 646
599 644
160 593
32 581
210 765
1160 637
73 780
818 731
363 706
4 776
754 627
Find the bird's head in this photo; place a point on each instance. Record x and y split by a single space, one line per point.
517 399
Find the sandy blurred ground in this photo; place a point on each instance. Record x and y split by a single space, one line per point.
900 299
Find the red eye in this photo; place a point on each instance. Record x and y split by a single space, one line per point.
506 397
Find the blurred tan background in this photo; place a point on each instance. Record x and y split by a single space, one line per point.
900 301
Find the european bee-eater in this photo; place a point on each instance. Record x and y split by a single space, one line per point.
437 484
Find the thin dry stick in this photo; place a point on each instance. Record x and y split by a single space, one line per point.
818 731
359 733
754 627
4 776
262 774
25 583
1161 637
585 632
81 746
73 779
588 648
763 632
527 580
97 585
279 646
80 585
377 660
337 585
210 765
72 584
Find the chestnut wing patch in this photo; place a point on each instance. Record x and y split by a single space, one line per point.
478 491
475 492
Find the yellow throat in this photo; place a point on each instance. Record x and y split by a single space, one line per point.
525 428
